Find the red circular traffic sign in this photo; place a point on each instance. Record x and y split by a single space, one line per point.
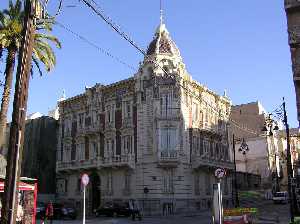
85 179
220 173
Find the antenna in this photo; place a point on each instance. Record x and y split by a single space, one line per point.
161 13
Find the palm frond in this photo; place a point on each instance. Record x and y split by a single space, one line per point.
35 61
51 38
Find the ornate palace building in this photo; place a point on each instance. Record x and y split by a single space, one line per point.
157 137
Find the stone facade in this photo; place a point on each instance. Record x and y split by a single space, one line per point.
154 137
39 151
249 116
292 8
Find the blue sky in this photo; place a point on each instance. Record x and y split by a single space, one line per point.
240 46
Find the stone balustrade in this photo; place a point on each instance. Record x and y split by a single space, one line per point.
291 4
112 161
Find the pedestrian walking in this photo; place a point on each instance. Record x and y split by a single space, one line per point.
135 210
49 212
20 214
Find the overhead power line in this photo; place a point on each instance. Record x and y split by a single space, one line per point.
98 11
106 52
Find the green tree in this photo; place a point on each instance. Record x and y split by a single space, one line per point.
11 26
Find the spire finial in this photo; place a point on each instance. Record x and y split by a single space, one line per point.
161 13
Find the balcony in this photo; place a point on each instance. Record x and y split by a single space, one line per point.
202 161
289 4
296 70
75 165
90 129
294 35
170 114
94 128
168 158
205 127
118 161
127 122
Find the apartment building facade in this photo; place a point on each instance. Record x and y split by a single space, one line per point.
156 137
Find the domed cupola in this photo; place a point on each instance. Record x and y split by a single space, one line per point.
162 43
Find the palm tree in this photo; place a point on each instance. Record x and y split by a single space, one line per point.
11 25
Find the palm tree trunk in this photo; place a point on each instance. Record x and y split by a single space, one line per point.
9 71
1 51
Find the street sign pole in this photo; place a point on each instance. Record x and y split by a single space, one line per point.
217 197
83 221
84 180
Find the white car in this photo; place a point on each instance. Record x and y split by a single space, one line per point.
281 197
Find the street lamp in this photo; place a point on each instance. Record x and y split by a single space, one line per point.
281 114
269 128
243 148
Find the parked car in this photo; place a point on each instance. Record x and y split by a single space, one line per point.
63 211
40 210
280 197
113 209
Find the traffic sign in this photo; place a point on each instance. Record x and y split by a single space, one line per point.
85 179
220 173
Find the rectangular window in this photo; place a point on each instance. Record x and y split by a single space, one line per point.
109 183
197 187
73 151
127 109
194 144
88 121
207 184
225 182
211 149
112 147
168 182
127 147
168 139
107 147
78 185
166 101
127 181
66 186
201 146
108 112
86 148
95 150
195 112
81 120
74 129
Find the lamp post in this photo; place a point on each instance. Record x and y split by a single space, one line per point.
281 113
243 148
269 128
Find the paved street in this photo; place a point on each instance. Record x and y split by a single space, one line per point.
268 213
147 220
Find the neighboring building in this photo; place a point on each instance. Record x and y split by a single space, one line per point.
54 113
256 160
2 165
146 137
40 143
267 153
248 181
250 119
292 9
39 151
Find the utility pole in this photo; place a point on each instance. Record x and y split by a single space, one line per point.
16 138
289 165
237 203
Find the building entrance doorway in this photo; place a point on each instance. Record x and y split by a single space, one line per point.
95 192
